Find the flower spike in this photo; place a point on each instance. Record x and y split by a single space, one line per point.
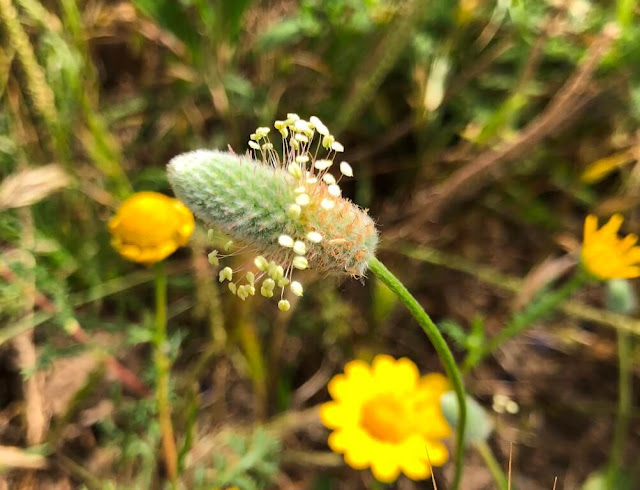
286 207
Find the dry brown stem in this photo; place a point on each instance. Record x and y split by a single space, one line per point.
568 101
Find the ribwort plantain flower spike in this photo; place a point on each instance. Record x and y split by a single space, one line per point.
286 207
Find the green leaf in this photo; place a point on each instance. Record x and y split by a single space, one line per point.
172 16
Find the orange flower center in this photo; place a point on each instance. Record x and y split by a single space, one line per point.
387 418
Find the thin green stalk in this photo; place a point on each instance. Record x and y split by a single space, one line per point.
625 389
446 357
162 365
494 467
535 311
512 284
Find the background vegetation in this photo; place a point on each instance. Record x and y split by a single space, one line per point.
482 133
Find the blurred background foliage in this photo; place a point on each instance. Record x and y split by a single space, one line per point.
486 128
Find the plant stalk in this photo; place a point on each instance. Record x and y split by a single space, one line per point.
494 467
438 342
536 310
625 389
162 364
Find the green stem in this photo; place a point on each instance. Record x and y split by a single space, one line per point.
536 310
493 465
625 389
162 364
446 357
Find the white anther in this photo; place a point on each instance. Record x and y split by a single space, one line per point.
300 263
314 237
303 200
327 204
334 190
327 140
323 164
295 170
346 169
302 126
284 305
294 211
319 125
296 288
261 263
329 179
285 241
226 273
335 146
299 247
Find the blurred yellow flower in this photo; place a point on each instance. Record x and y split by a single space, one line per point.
604 255
149 227
385 417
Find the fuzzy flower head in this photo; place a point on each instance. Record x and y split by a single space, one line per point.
385 417
148 227
286 207
605 255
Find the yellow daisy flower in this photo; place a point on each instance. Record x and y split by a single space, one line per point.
385 417
149 227
605 255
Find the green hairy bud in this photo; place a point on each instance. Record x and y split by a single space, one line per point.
288 208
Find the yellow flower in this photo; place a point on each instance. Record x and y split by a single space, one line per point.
385 417
149 227
604 255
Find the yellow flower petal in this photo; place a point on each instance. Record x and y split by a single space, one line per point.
434 384
590 226
613 225
400 375
605 255
383 366
339 387
335 415
357 454
437 451
384 465
413 460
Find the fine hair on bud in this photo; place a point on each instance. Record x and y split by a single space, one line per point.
288 207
